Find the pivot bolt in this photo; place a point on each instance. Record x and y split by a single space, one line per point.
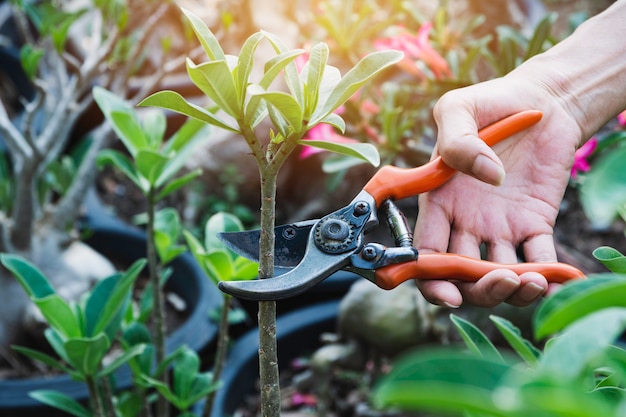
361 208
369 253
335 230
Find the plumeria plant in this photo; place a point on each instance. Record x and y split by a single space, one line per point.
312 96
153 164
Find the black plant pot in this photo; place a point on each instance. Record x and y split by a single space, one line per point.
126 244
298 332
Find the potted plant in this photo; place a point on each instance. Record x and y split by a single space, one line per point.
313 96
44 184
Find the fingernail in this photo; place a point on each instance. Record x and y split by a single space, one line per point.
505 287
449 305
531 291
487 170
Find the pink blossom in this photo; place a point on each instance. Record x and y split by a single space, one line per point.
300 399
417 47
580 157
621 118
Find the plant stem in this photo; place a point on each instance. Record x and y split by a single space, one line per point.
158 315
268 355
220 354
96 402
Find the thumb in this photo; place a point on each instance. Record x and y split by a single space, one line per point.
472 156
458 142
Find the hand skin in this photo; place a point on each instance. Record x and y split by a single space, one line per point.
508 197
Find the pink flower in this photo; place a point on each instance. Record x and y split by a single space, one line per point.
417 47
300 400
580 157
621 118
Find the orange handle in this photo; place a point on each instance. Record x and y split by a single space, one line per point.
397 183
458 267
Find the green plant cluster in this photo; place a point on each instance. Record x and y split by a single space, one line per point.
578 370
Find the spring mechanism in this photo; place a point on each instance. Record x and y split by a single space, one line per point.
397 224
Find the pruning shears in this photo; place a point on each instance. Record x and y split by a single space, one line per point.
312 250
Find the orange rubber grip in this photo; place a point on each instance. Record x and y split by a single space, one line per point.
398 183
458 267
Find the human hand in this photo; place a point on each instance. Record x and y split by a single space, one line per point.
504 212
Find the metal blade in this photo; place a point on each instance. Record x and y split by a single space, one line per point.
316 267
290 245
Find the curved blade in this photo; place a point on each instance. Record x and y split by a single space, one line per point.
315 267
291 242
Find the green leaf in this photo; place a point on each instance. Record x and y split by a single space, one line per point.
442 380
576 299
363 71
512 334
178 183
245 63
613 259
474 338
32 280
59 315
255 110
244 269
290 71
60 401
29 58
540 35
137 334
337 164
275 65
184 372
98 298
207 39
150 165
288 107
113 297
86 354
128 128
191 131
218 265
42 357
364 151
336 121
315 72
603 189
183 145
570 353
56 340
171 100
128 354
153 125
124 164
219 223
217 82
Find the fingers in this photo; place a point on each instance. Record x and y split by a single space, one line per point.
503 285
